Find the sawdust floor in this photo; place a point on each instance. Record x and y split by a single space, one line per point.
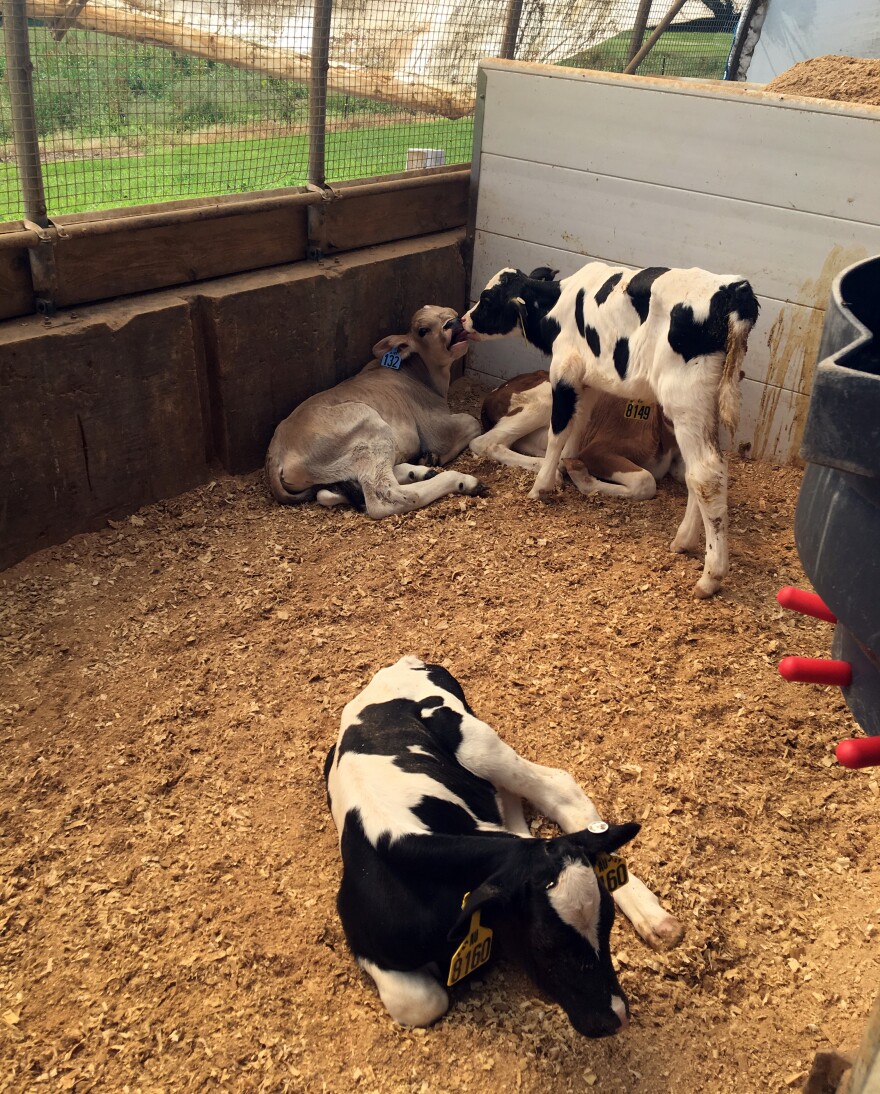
169 866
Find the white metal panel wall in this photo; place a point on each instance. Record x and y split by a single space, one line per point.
574 166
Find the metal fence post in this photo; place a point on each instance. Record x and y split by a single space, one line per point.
659 30
321 15
24 117
511 29
638 34
27 154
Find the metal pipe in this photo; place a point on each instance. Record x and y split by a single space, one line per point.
638 34
511 29
652 41
321 16
170 217
24 118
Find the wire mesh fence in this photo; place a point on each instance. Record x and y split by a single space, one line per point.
141 101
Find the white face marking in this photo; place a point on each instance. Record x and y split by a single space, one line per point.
496 280
619 1008
576 900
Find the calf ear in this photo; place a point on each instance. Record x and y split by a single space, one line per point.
490 892
543 273
614 836
401 344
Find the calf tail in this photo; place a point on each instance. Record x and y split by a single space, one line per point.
739 326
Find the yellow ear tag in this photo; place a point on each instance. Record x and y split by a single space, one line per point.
473 952
612 871
637 411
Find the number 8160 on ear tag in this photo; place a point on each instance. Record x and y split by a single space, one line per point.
612 870
472 953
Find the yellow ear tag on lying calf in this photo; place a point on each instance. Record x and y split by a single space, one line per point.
638 411
612 871
473 952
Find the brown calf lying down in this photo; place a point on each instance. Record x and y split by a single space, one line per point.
368 438
626 449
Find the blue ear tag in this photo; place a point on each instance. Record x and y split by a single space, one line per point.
391 359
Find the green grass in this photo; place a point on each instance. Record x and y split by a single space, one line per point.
99 98
677 53
228 167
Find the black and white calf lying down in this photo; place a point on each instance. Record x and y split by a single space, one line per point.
675 337
367 440
428 801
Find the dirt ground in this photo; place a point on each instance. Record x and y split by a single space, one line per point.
171 686
847 79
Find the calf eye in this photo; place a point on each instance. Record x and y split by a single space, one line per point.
552 884
422 332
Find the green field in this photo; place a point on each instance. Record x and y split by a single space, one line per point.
677 53
125 124
229 167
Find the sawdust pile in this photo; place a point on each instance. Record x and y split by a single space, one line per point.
168 866
846 79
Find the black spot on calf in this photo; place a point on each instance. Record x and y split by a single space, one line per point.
592 336
603 293
639 289
621 356
579 312
441 815
564 401
693 338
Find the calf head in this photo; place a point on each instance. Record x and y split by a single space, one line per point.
512 302
435 334
560 917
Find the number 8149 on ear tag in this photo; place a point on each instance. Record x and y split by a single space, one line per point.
472 953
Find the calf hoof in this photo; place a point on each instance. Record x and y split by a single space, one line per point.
665 934
681 547
541 495
706 587
469 485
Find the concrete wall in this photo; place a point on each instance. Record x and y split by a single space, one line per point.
110 406
575 166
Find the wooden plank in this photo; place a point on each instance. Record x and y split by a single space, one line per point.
783 347
16 291
756 148
356 220
786 254
118 263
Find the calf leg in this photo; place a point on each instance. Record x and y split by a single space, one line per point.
411 998
706 477
384 496
619 477
572 407
531 414
558 796
412 472
447 438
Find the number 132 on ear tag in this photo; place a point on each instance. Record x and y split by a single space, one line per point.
391 359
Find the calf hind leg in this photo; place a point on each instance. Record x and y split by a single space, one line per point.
385 497
411 998
706 477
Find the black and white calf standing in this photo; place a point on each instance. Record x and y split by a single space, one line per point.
677 337
428 801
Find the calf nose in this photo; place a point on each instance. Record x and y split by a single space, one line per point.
619 1008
